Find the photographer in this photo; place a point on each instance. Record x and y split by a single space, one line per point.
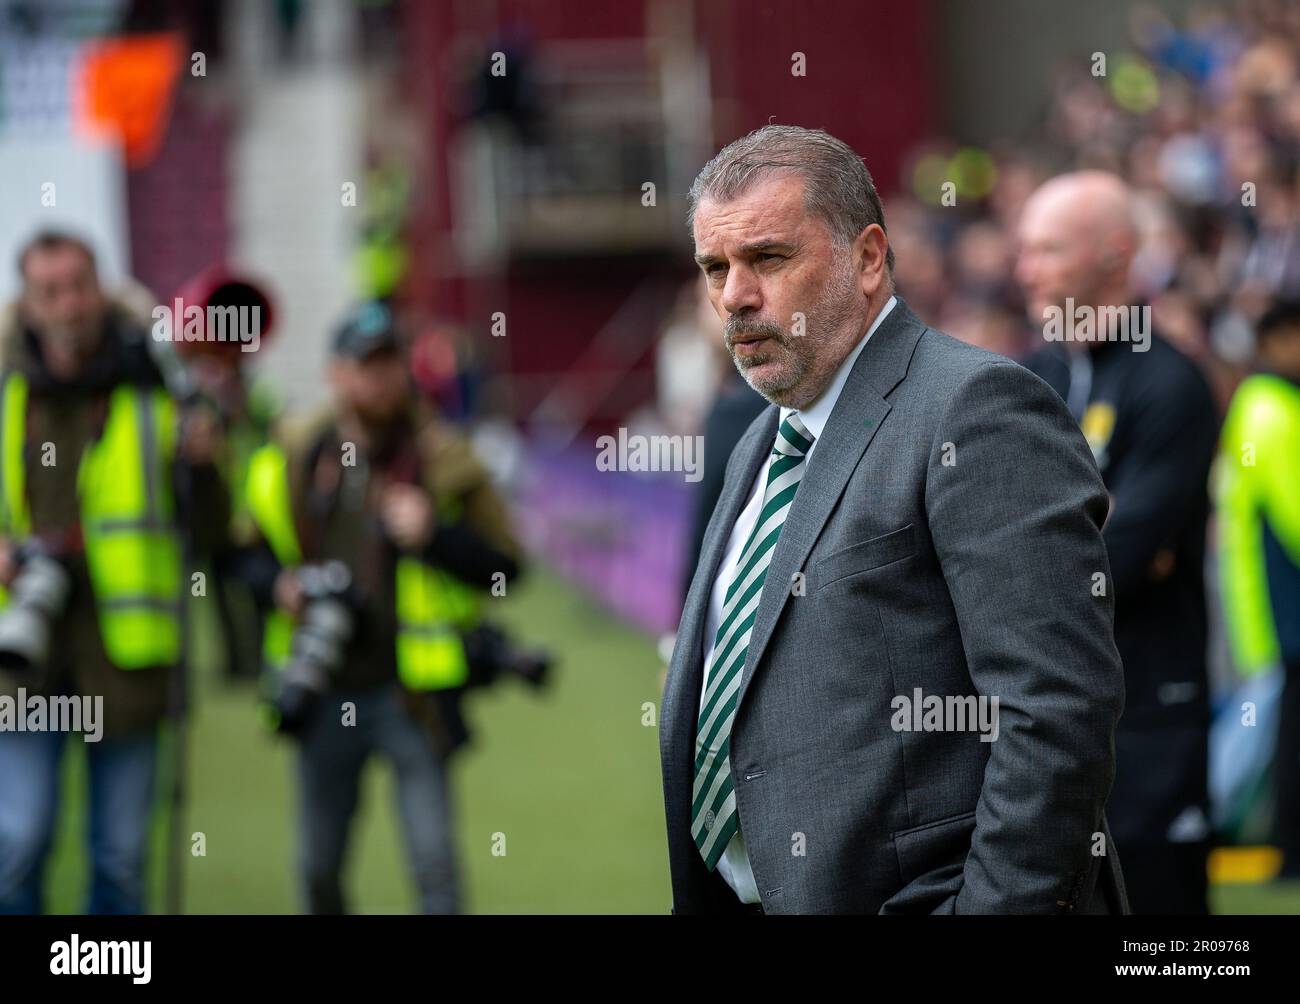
1259 545
382 529
220 381
99 471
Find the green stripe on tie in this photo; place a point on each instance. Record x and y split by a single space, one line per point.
713 799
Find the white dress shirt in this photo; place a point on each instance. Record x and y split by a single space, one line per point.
734 866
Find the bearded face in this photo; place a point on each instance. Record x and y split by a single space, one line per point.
776 359
789 294
63 302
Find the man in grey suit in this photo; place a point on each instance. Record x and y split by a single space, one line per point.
895 684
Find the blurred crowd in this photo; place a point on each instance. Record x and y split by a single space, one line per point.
1202 120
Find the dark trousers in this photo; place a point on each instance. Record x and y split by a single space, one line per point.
1167 878
1286 774
330 762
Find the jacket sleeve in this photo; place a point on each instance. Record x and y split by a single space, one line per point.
1016 518
464 551
474 538
1162 480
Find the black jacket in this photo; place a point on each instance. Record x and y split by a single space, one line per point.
1151 423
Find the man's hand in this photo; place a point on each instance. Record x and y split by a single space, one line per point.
200 437
287 592
8 563
407 515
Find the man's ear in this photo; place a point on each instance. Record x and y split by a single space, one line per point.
1120 252
869 252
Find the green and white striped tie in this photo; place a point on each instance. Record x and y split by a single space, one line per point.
713 810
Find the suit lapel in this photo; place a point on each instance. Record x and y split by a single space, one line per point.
853 424
751 453
681 698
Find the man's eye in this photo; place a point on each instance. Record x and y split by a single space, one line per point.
768 256
715 268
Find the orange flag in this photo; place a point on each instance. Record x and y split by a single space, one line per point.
125 85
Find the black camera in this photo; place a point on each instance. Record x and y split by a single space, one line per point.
318 645
490 653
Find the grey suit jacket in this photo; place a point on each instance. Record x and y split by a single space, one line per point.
948 532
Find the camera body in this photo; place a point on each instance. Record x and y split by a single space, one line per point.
491 653
38 596
318 645
329 620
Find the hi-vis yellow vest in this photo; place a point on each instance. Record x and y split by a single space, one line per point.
431 605
1257 487
128 519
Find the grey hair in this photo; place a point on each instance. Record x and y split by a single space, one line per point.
837 185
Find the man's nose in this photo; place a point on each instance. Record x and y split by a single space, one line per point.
741 291
66 305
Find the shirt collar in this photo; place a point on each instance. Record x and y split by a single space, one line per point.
816 415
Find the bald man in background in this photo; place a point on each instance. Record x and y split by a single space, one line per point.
1148 415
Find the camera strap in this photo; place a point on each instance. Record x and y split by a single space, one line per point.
324 484
319 497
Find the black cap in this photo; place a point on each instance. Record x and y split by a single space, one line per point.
1280 315
369 329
